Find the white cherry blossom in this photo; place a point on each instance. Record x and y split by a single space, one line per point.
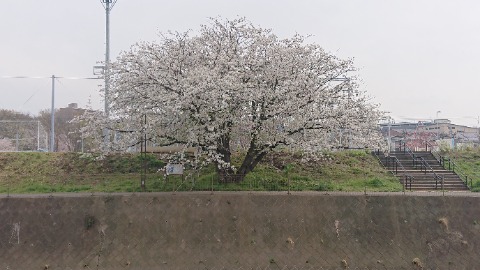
235 87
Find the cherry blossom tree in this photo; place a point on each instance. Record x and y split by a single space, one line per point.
18 131
235 86
6 145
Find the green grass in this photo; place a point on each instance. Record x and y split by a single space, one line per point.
467 163
72 172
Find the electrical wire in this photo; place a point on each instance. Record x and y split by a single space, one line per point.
56 77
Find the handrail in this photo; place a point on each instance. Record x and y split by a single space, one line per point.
396 164
408 151
435 175
423 162
451 167
427 144
377 155
454 168
408 177
441 159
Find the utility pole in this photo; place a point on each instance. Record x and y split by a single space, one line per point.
108 6
38 135
52 118
389 134
438 127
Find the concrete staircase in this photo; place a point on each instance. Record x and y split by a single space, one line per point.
421 171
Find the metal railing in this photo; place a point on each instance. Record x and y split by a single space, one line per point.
392 161
426 167
428 146
407 150
451 165
454 168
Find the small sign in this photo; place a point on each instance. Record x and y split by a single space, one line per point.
174 168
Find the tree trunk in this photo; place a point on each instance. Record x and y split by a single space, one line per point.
253 157
251 160
223 147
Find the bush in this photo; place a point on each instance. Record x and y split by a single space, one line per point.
324 186
375 183
476 186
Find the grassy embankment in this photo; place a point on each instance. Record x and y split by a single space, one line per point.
72 172
467 162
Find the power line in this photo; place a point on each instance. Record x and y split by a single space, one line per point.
49 77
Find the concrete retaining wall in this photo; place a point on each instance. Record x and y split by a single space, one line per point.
239 231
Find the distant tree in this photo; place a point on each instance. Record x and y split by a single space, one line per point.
420 139
235 85
19 129
67 132
6 145
10 119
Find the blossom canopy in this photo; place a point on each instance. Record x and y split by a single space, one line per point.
236 87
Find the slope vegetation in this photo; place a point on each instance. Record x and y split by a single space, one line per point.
354 170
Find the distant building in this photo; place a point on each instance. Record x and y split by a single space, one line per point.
419 133
68 138
70 112
445 129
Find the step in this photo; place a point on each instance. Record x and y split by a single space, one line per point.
430 184
438 187
416 184
423 180
428 176
432 189
435 189
414 171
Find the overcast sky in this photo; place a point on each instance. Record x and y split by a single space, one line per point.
416 57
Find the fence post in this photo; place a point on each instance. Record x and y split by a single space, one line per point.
443 190
212 184
288 185
174 185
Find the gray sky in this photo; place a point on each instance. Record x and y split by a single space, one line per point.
416 57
